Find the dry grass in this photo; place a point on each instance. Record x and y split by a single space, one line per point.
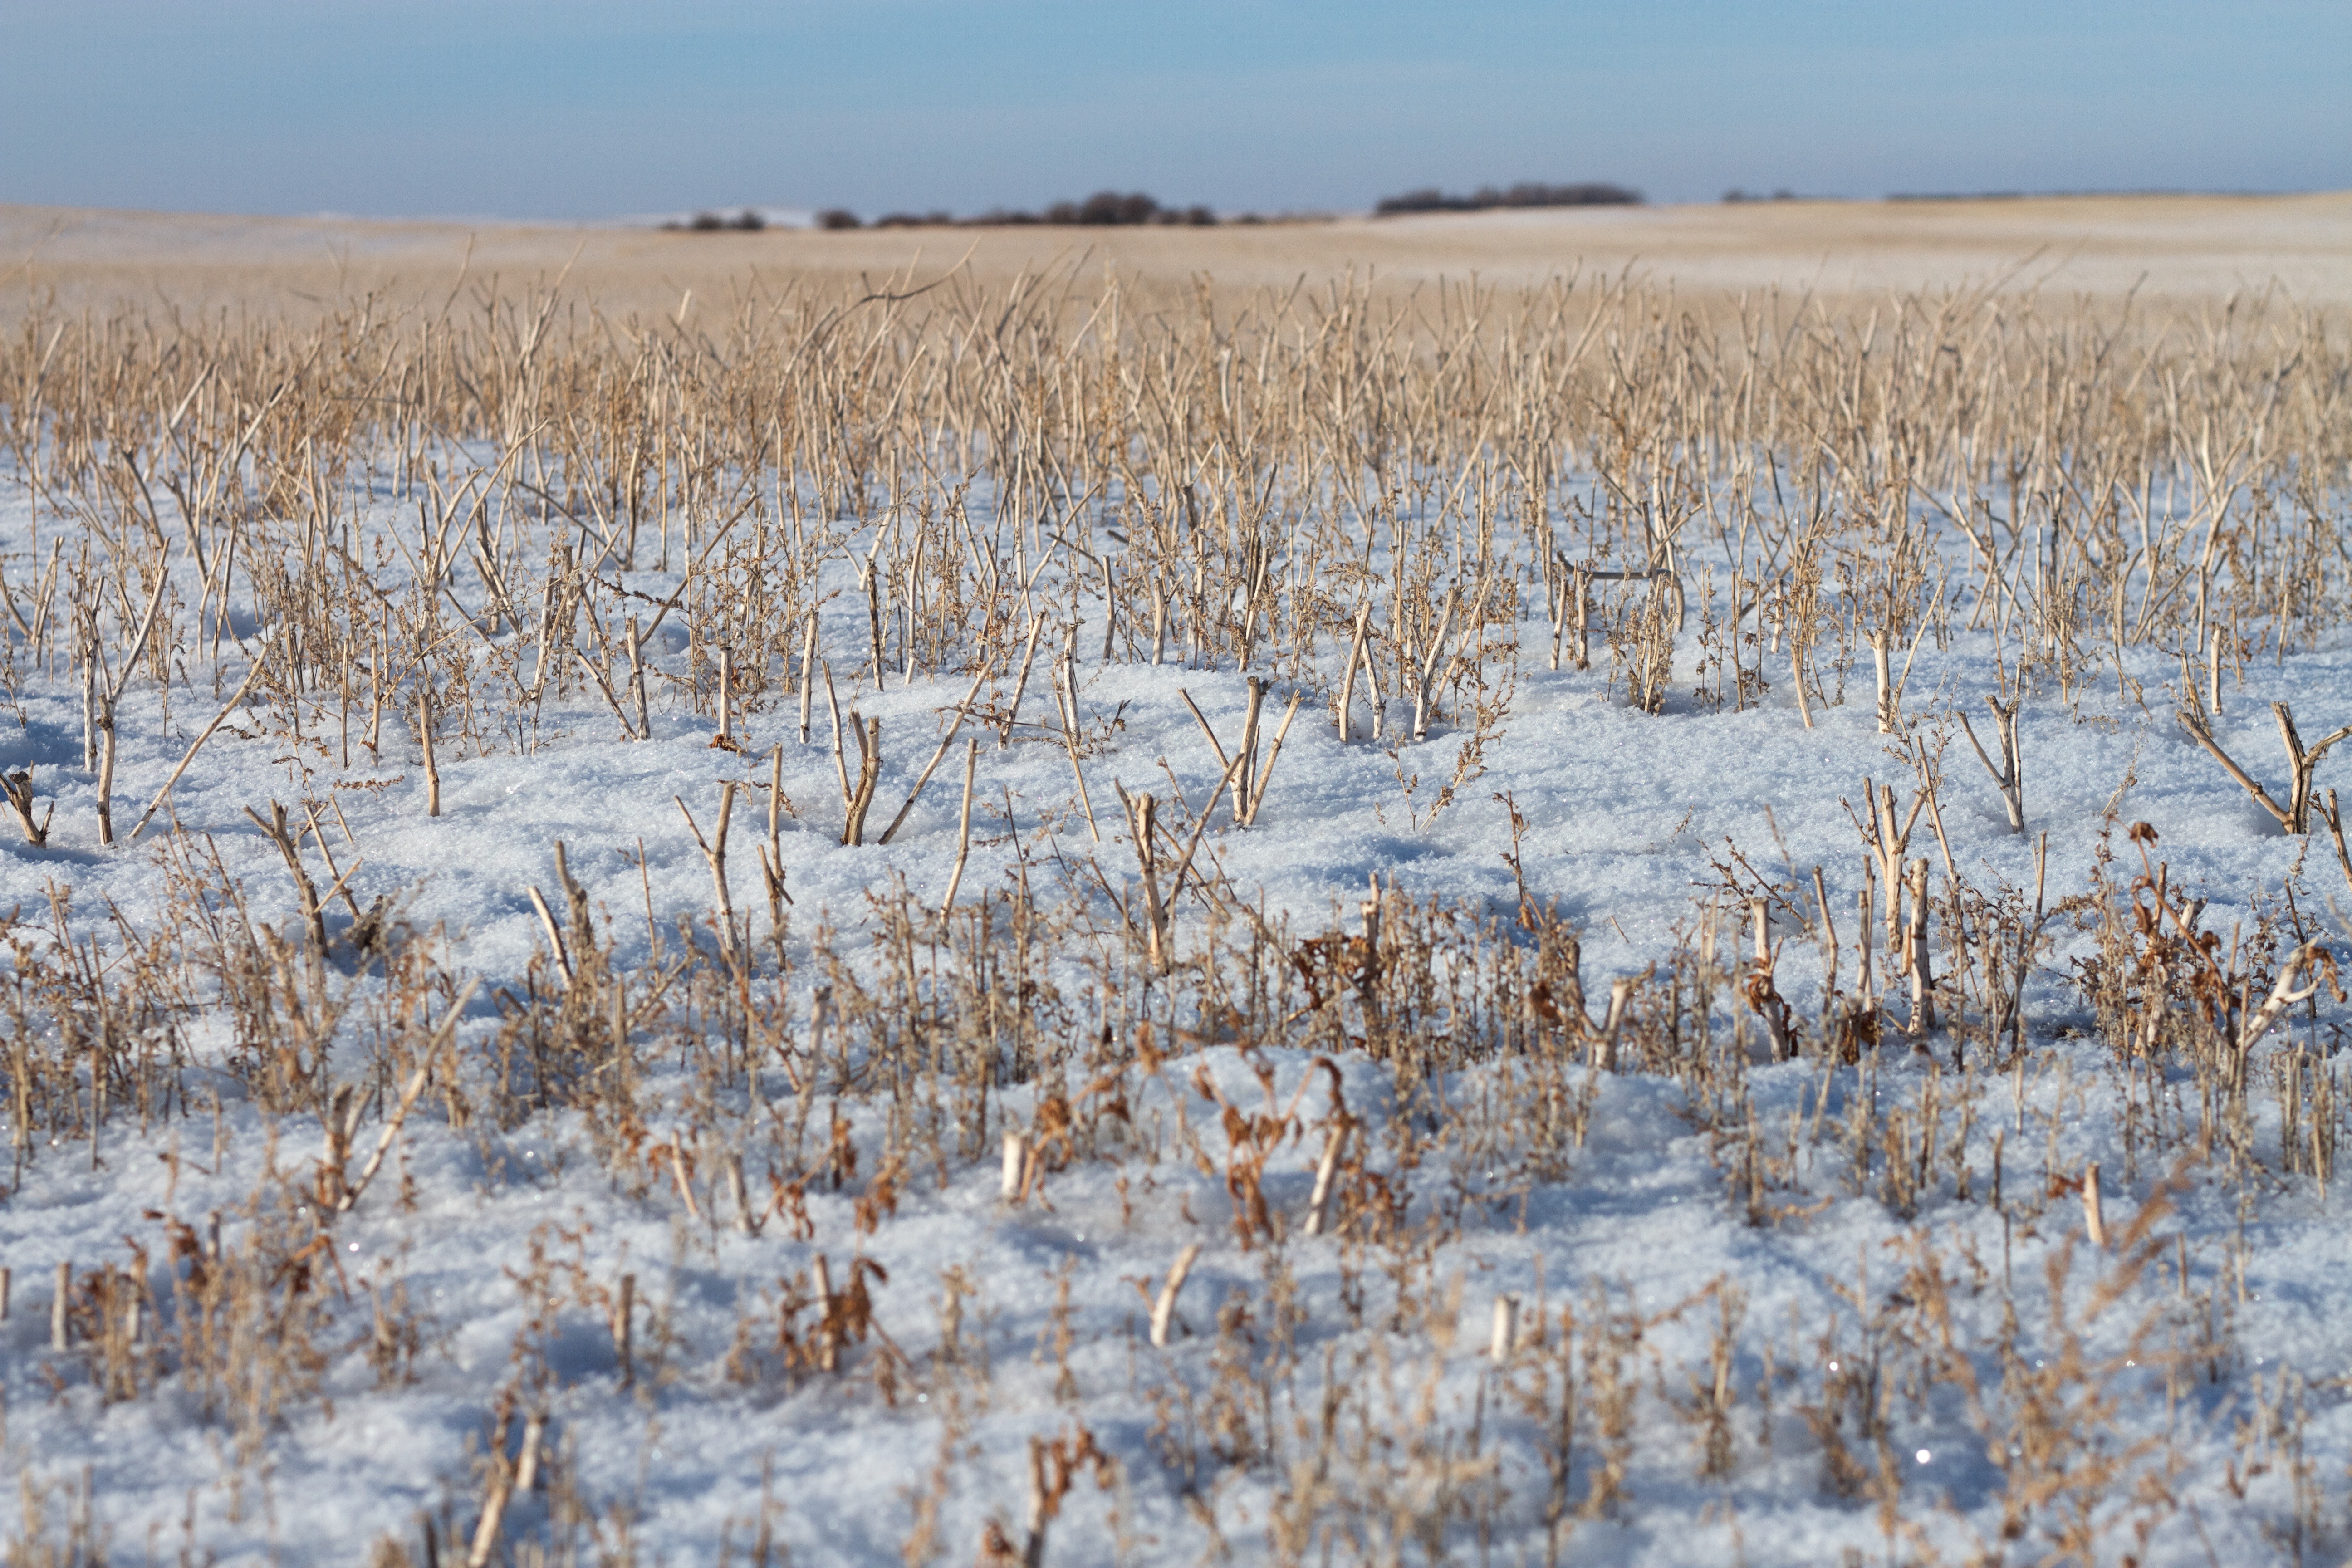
1336 490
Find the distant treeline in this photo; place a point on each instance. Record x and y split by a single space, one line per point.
745 222
1104 208
1525 194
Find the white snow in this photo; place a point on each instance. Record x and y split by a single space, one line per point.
1625 813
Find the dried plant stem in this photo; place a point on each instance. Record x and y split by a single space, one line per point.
106 775
1257 790
1041 1507
840 755
288 842
714 855
1069 678
1248 750
1884 680
2296 815
1367 977
726 738
624 1325
1318 1205
828 1332
868 736
604 683
2284 994
1426 678
1200 829
772 852
554 934
1355 656
1028 657
644 728
1013 1181
739 1195
2009 777
1202 720
808 673
1576 590
2333 816
1866 992
1505 1335
353 1191
425 735
19 788
678 1177
1143 827
964 827
494 1508
1888 843
1604 1043
1916 956
534 1431
111 698
1164 1308
1763 997
962 711
1248 793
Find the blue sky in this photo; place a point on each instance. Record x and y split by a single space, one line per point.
524 108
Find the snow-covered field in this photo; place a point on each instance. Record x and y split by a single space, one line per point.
852 1243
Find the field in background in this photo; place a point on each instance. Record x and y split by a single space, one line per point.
2174 249
700 914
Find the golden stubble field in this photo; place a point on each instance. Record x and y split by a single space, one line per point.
2178 249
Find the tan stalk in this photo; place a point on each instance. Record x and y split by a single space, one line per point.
1163 1307
714 855
2009 777
2296 815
